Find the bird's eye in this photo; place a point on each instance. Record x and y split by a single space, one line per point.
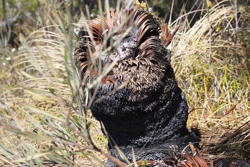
124 49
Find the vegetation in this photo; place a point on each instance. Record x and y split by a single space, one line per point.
41 123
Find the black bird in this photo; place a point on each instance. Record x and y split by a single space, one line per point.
138 101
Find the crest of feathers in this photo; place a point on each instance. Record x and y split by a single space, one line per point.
137 23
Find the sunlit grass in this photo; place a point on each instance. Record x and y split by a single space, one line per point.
210 61
40 122
212 70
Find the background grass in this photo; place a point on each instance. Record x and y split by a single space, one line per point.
41 123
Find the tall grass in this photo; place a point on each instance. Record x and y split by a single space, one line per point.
211 68
42 121
211 65
41 124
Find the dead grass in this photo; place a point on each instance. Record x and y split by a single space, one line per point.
210 60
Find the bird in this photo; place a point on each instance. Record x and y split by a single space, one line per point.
138 100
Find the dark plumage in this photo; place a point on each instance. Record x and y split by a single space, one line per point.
139 101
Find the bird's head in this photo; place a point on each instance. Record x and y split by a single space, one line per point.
134 39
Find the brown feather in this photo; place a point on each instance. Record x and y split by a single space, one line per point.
166 36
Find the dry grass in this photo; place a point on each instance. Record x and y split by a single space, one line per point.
41 124
210 60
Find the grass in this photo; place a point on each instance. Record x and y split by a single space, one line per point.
211 69
210 60
41 122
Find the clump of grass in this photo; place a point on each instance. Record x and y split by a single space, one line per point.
40 122
211 66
